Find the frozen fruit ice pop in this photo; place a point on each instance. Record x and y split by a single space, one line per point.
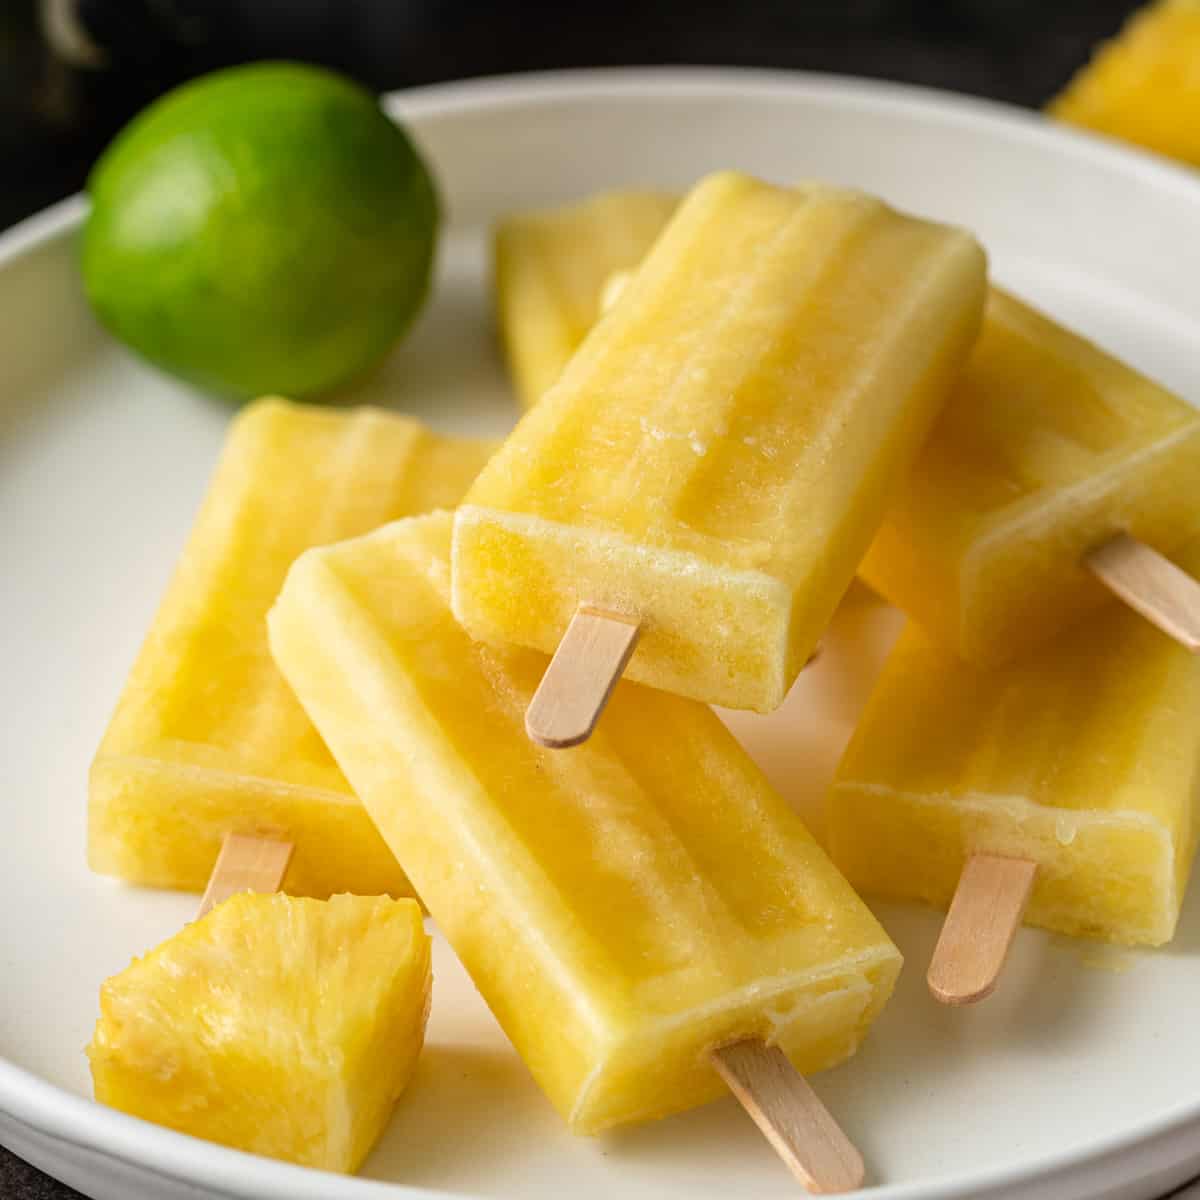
207 739
715 459
1048 448
1083 759
549 269
624 907
1143 86
910 568
911 574
282 1026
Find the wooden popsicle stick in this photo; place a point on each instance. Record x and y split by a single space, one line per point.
580 678
983 919
1166 596
790 1115
245 864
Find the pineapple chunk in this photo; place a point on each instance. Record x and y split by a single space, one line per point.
1144 86
282 1026
550 267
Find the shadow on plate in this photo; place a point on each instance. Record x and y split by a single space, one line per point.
468 1117
799 745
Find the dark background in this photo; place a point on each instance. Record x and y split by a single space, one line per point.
55 119
56 116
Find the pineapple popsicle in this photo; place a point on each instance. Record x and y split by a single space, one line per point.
1083 759
624 907
207 739
1048 450
716 457
947 524
282 1026
550 267
1143 86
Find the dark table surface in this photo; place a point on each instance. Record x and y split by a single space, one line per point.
56 115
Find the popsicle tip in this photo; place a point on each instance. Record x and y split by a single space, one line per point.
1149 583
246 863
791 1116
551 738
983 919
946 988
580 678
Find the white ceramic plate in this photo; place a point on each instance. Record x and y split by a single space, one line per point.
1080 1078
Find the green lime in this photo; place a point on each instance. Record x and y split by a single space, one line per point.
262 229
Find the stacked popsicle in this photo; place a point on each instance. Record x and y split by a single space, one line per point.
631 957
550 271
642 913
1051 472
207 740
710 468
1054 469
790 387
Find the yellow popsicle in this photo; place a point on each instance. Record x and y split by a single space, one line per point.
1047 449
946 526
549 268
1144 86
624 907
717 456
285 1027
1083 759
207 739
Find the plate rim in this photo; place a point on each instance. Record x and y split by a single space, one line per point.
45 1109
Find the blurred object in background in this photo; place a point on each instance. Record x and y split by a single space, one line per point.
73 71
1144 87
965 44
63 95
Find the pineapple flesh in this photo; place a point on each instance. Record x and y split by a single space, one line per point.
1144 86
279 1025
